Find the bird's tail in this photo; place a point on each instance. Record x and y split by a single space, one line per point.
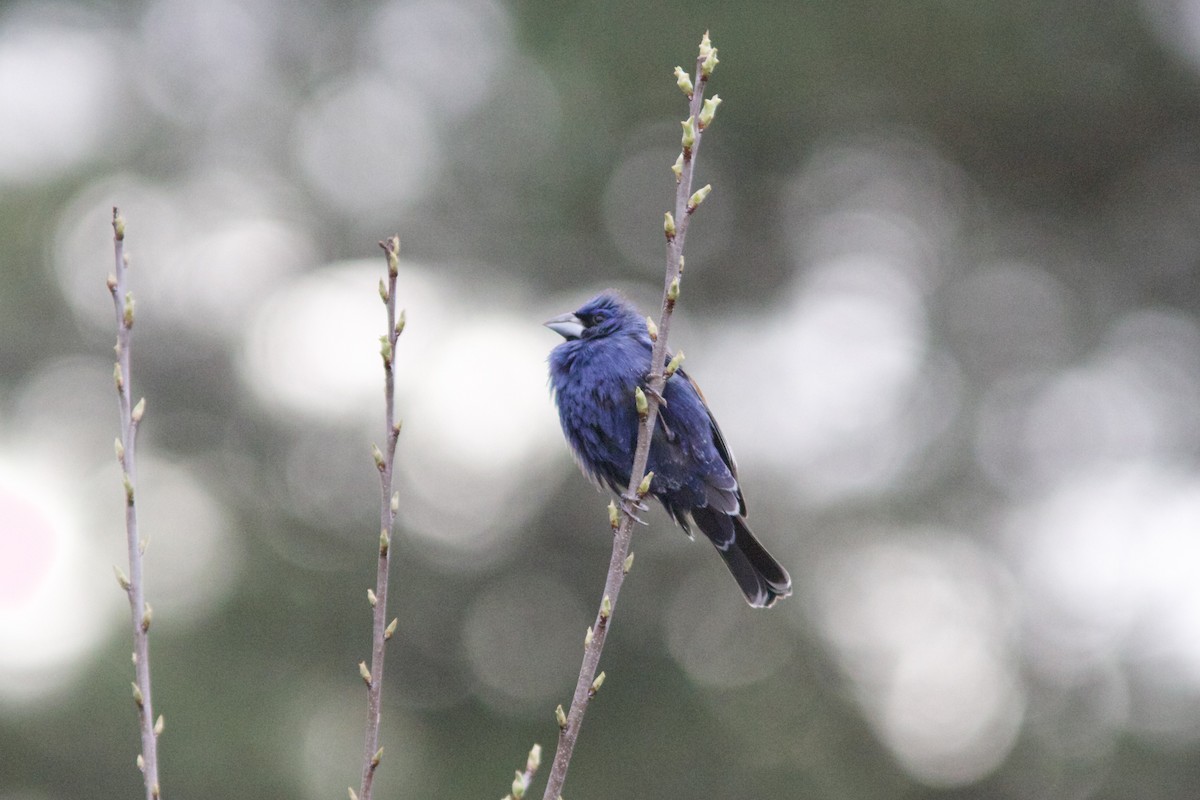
761 578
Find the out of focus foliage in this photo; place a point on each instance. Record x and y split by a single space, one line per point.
944 299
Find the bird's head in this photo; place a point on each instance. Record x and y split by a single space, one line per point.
604 314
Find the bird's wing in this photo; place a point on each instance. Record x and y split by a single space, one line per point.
719 440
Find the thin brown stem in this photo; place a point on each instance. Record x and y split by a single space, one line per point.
126 447
585 686
384 461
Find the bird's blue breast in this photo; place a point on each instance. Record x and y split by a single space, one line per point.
593 383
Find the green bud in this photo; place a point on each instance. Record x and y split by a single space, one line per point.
137 695
400 323
364 673
128 485
673 290
709 111
147 618
669 225
644 487
560 717
518 787
614 519
385 349
628 564
111 282
390 630
128 316
139 410
384 542
605 608
652 329
535 759
118 377
122 578
377 454
684 81
639 398
140 760
677 168
689 133
371 598
375 759
596 684
392 247
118 225
587 637
383 291
705 45
674 363
119 449
698 197
395 502
158 725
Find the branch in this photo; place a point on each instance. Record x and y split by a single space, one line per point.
126 449
389 503
675 226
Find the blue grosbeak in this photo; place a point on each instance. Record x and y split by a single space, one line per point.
593 375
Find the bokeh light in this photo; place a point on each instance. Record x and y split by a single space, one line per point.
312 345
202 264
421 44
192 556
1110 558
634 203
508 624
55 70
943 302
205 57
712 640
366 146
922 624
848 356
51 613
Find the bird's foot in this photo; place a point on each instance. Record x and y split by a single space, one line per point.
650 392
631 504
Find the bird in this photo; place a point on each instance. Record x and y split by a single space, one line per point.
605 355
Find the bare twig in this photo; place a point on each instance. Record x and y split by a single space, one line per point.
675 226
389 503
126 449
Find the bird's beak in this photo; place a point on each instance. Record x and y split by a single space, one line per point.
566 325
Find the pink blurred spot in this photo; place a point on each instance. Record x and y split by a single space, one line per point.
28 542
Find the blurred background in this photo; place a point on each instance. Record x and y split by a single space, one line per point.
944 300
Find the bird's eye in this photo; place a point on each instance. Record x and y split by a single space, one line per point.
597 318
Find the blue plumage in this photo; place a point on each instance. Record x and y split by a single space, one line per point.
593 375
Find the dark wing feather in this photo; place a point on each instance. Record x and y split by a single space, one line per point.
719 440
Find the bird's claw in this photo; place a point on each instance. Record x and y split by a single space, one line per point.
662 401
631 504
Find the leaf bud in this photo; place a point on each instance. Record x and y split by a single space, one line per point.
698 197
709 111
684 81
689 133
